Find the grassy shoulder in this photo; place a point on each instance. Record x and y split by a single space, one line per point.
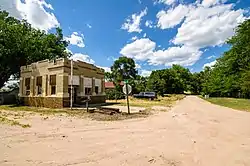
10 114
167 101
235 103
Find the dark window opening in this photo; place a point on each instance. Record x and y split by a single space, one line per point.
53 84
27 86
96 89
53 89
88 91
39 85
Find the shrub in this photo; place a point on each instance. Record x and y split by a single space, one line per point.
113 94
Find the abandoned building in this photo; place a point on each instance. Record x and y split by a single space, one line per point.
48 83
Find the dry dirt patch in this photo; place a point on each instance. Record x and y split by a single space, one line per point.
193 133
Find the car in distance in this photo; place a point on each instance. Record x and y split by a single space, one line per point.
146 95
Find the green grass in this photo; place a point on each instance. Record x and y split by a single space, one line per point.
19 112
41 111
239 104
5 120
161 101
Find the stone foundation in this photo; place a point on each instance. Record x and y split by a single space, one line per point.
49 102
58 102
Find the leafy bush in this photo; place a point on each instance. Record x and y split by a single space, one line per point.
113 94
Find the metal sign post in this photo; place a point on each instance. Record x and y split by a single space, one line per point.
127 98
127 89
71 87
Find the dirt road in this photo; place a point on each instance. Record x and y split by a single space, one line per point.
193 133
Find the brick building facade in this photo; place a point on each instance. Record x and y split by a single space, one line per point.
47 83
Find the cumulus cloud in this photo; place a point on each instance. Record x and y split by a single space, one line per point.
140 49
145 73
134 38
206 23
132 24
210 64
82 57
149 24
145 50
185 56
212 26
34 11
106 69
167 2
137 66
76 39
208 3
211 57
172 17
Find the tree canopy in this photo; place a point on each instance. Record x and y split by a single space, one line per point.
20 44
230 77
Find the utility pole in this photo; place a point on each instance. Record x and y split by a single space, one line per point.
71 86
127 97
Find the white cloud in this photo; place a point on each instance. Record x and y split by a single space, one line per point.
149 24
107 69
134 38
144 50
144 35
82 57
167 2
145 73
140 49
208 3
211 57
137 66
210 64
133 24
76 39
172 17
34 11
185 56
139 1
204 27
89 26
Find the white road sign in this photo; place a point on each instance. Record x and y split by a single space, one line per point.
129 89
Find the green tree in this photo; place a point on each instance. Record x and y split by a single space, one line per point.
124 68
230 75
172 80
20 44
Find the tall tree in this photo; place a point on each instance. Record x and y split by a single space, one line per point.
123 68
230 75
20 44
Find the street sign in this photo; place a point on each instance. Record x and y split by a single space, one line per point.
125 91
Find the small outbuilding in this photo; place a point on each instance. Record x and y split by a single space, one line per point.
48 83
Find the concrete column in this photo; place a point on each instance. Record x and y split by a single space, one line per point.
21 87
44 85
93 86
81 85
48 86
62 85
103 87
32 82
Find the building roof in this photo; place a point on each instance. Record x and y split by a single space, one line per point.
111 84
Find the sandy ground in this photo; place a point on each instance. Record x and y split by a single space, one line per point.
193 133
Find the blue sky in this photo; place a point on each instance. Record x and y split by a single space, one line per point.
155 33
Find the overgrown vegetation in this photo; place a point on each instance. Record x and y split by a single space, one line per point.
239 104
5 120
166 101
21 112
